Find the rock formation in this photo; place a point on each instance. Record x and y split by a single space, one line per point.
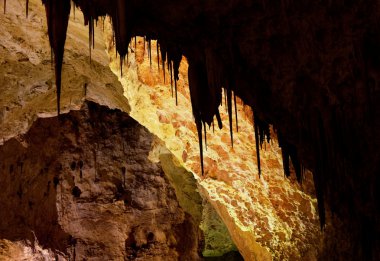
309 68
86 187
253 208
67 202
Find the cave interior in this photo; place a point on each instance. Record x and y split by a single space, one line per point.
310 69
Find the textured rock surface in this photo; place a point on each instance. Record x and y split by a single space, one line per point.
84 185
271 217
217 240
23 250
26 74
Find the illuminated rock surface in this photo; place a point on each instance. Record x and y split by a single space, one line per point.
27 77
267 218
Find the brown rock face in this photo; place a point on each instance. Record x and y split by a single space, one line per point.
83 184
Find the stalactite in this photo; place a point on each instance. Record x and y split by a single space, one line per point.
170 69
121 67
158 56
256 127
121 27
176 92
163 68
198 123
144 44
5 6
217 114
57 13
225 100
205 133
236 113
229 108
93 32
199 93
90 35
176 58
150 52
290 151
27 8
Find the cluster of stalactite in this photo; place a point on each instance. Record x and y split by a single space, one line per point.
206 76
208 80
